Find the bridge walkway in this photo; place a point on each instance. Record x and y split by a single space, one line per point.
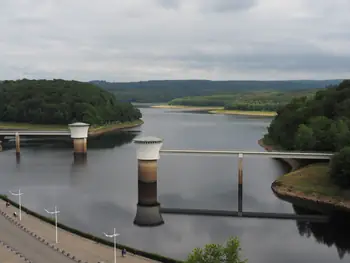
82 248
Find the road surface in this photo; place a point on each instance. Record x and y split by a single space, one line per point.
82 248
28 246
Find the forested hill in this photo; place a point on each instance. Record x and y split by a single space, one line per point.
166 90
319 123
61 102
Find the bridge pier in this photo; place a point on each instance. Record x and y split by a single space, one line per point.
240 184
79 133
18 145
148 207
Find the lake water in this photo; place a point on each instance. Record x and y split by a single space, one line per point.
102 194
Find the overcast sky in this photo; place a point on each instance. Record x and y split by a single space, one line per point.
132 40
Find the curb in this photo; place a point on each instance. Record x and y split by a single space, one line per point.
42 240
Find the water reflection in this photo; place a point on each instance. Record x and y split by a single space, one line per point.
148 209
336 232
110 140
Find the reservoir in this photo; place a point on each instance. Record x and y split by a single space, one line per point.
102 194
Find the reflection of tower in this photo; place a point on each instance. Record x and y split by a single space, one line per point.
78 169
148 208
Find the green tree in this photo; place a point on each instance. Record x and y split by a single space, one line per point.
340 168
305 139
217 253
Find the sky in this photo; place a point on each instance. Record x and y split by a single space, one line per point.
137 40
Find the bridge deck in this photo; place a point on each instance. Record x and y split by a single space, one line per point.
292 155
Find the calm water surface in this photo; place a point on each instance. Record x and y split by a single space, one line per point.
103 193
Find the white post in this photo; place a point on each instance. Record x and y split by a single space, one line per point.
115 246
55 213
114 235
19 202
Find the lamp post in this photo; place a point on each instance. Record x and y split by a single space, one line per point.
55 213
19 194
114 236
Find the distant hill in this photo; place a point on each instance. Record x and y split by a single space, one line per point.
166 90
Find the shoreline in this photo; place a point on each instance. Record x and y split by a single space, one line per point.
90 237
216 110
314 201
93 131
114 127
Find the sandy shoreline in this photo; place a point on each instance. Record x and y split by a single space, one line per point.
217 110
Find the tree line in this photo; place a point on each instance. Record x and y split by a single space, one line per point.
320 123
61 102
268 100
167 90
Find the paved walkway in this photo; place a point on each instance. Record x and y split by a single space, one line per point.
81 248
9 256
28 247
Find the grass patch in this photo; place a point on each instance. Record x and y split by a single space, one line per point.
313 179
56 127
245 113
164 106
121 125
30 126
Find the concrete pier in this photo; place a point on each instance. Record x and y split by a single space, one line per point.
148 207
240 184
79 133
18 144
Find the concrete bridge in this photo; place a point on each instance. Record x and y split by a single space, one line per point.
149 212
78 131
278 155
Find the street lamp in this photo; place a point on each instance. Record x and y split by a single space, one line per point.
114 236
19 202
55 213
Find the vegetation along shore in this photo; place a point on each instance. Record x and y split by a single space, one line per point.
319 123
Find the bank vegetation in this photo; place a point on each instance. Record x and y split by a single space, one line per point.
319 123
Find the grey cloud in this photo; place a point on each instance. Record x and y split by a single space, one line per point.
138 40
171 4
227 5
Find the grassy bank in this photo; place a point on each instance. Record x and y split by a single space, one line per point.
245 113
98 130
182 107
30 126
217 110
93 130
310 184
91 237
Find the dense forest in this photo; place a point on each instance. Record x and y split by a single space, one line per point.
61 102
320 123
251 101
166 90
